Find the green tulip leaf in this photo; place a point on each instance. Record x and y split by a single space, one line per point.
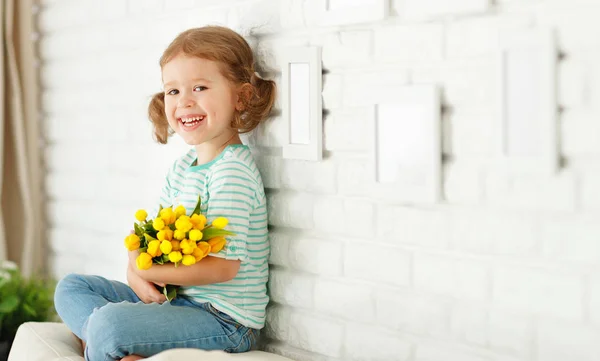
198 205
212 232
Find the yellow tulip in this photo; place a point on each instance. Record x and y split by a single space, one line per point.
175 245
141 215
188 260
187 246
168 233
179 235
162 235
167 215
195 235
220 222
216 244
158 224
183 224
202 249
199 221
166 247
143 261
175 256
179 211
154 248
132 242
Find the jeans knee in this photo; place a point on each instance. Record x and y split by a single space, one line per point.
105 332
64 288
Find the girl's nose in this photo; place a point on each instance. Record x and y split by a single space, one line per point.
185 101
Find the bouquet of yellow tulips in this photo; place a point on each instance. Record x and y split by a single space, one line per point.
174 237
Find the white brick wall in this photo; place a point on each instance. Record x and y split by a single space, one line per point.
504 268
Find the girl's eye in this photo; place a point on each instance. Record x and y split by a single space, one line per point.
173 92
200 88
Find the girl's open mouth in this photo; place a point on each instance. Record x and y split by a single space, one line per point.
192 121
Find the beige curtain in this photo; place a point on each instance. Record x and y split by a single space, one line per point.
20 173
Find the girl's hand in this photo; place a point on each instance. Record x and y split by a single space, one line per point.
143 289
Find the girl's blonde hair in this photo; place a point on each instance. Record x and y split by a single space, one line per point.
235 58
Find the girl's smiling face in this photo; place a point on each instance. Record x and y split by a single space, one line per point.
200 102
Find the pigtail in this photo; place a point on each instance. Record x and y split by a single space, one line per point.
156 114
257 105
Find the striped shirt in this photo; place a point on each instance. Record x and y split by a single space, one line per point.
230 186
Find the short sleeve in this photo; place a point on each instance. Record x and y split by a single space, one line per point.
232 194
165 193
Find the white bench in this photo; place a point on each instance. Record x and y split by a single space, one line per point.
52 341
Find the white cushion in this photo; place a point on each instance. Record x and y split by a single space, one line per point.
52 341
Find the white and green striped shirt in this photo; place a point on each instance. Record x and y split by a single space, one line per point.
230 186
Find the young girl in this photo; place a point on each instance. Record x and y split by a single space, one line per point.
211 94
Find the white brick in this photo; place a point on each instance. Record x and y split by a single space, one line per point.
373 87
471 134
70 241
316 334
106 218
415 314
463 183
280 248
345 129
294 353
311 177
291 210
437 352
346 217
495 233
349 301
409 43
573 23
292 14
103 189
290 289
314 255
594 302
347 48
255 17
270 170
332 91
580 131
352 176
559 342
460 278
86 128
474 36
146 6
277 325
370 343
511 334
468 323
532 192
539 291
377 263
571 239
579 80
422 9
271 133
408 225
179 4
589 197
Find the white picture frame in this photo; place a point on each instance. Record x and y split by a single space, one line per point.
302 109
414 122
527 109
374 11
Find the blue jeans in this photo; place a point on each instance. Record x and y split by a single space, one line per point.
114 322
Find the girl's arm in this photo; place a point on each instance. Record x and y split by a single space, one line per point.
209 270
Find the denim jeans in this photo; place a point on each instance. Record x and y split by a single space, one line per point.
114 322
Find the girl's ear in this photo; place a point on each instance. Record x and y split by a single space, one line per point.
244 96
